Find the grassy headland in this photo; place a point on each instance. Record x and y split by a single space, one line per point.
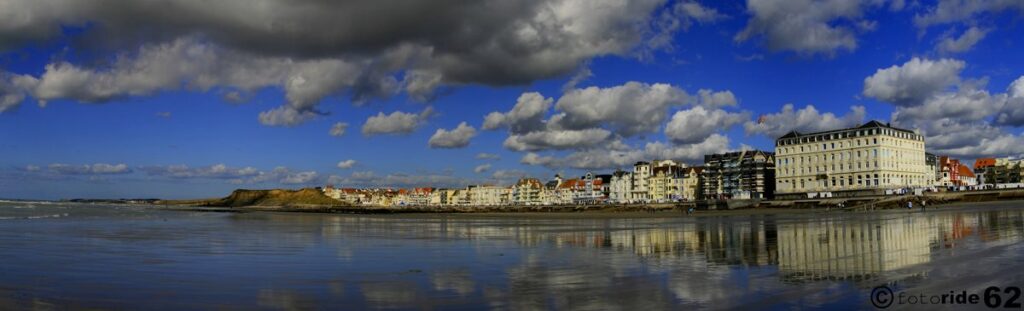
274 198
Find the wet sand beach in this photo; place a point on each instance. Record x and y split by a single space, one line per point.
82 256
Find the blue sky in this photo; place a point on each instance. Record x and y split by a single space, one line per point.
156 100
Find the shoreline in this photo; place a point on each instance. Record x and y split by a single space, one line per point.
629 211
594 214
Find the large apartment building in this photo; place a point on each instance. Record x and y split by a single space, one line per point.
527 191
655 181
748 174
999 171
848 162
489 195
639 192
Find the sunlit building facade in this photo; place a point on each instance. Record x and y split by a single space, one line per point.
527 191
848 162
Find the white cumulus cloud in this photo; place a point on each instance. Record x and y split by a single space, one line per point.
807 119
395 123
456 138
347 164
913 82
628 109
698 123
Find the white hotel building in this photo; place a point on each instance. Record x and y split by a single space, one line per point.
849 162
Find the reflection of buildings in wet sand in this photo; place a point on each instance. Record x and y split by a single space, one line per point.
1003 226
844 249
740 243
746 243
958 228
814 249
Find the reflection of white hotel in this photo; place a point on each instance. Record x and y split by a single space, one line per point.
828 249
659 242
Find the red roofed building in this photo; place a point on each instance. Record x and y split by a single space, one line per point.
967 177
955 174
419 196
983 163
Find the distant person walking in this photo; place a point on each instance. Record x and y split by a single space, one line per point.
910 204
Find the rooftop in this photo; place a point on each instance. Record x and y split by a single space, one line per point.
871 124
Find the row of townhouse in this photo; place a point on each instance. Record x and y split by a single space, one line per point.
730 175
655 181
872 159
472 195
588 189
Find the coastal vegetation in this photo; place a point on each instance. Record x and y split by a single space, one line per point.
277 198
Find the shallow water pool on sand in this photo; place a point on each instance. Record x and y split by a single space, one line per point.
136 257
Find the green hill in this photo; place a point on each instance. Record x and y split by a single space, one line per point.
305 197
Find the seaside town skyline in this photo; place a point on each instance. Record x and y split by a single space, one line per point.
92 107
867 161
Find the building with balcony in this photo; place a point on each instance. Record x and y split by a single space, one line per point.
527 191
620 185
641 172
999 171
489 195
748 174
